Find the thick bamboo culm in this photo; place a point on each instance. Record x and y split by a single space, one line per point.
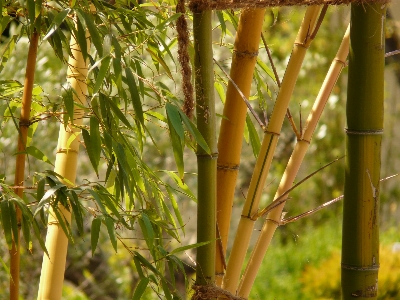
274 216
206 163
19 178
52 275
246 223
244 59
364 109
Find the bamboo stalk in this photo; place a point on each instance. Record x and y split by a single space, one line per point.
24 123
365 95
230 139
268 146
52 275
274 217
206 163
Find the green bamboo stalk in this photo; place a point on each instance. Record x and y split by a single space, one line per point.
24 123
274 216
268 146
244 59
360 241
52 274
206 163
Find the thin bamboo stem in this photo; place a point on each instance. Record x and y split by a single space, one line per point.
24 123
268 146
52 275
365 96
206 163
230 140
273 219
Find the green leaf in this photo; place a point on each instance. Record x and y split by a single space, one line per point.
137 104
10 87
81 38
187 247
95 233
161 61
105 64
145 263
118 113
266 69
90 151
68 98
77 210
36 153
6 221
254 138
14 223
45 199
176 209
140 289
94 32
58 19
95 138
195 132
7 51
111 231
220 91
98 201
177 135
147 230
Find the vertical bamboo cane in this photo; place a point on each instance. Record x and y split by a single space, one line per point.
268 146
52 275
24 123
231 133
365 95
206 163
274 217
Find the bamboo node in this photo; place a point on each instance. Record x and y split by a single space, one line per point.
364 132
272 133
245 53
357 268
227 167
24 123
211 292
210 156
277 223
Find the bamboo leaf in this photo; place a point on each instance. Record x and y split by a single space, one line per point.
181 184
7 51
6 221
137 104
98 201
68 99
45 199
161 61
90 150
36 230
40 189
95 138
176 209
187 247
58 19
27 233
138 267
195 132
145 262
105 64
95 233
111 231
36 153
147 230
94 33
253 136
175 119
81 38
77 210
14 223
140 289
118 112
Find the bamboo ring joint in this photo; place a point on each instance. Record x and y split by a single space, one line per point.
364 132
356 268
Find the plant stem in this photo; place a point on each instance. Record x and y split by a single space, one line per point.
24 123
52 275
268 146
206 163
274 216
365 95
232 126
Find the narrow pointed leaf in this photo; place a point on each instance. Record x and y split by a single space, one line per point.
6 221
105 64
95 233
137 104
195 132
140 289
58 19
111 232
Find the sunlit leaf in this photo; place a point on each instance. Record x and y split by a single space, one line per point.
58 19
137 104
140 288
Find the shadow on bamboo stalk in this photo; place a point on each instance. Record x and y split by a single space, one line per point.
274 216
307 32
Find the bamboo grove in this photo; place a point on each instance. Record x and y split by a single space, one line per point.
122 103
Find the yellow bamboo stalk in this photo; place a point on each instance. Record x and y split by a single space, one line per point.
52 275
274 216
246 223
244 59
19 177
